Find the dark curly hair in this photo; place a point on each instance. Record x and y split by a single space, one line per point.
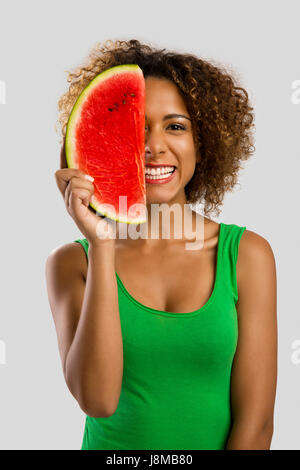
222 118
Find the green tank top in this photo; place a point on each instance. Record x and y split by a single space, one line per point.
175 392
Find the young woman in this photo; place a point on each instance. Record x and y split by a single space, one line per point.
164 347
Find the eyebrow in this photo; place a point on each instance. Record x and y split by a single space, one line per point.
174 115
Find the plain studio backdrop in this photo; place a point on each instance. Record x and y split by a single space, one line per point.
39 41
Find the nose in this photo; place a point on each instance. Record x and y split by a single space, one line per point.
154 144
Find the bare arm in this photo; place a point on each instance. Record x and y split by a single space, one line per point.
87 322
254 371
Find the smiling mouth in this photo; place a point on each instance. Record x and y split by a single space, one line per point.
160 179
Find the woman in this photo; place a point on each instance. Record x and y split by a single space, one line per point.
164 347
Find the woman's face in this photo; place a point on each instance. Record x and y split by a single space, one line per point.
168 141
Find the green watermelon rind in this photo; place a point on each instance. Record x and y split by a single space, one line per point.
71 125
137 220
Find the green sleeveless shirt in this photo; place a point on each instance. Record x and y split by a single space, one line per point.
177 368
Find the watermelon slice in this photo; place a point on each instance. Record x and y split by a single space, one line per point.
105 138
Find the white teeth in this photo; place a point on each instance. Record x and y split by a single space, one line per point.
159 171
159 176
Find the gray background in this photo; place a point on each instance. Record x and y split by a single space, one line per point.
39 40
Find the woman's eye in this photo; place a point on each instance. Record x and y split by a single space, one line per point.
178 126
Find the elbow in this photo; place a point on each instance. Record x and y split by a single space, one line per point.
91 405
95 411
94 408
250 436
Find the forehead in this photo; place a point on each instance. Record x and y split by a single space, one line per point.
162 96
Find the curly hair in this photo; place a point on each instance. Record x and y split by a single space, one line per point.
222 118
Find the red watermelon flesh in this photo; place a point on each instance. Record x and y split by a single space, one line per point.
105 138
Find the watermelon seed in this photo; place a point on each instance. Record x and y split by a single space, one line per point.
125 94
123 101
132 94
110 109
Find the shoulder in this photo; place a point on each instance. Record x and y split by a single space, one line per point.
68 256
256 261
254 247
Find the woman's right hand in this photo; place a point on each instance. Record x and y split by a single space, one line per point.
77 190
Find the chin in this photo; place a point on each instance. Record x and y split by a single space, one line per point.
162 199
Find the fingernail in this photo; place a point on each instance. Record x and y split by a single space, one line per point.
88 177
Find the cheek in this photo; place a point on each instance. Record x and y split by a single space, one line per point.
187 148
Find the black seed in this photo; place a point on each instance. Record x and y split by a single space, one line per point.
110 109
132 94
123 101
125 94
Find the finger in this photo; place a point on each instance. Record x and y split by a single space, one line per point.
77 196
81 183
63 177
67 195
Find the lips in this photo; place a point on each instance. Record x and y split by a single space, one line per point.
162 180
